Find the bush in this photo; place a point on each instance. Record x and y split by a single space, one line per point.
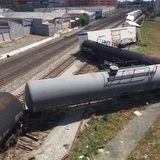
84 19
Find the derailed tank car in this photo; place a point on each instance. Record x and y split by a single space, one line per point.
11 111
55 93
117 55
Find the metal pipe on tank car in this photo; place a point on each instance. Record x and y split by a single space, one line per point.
54 93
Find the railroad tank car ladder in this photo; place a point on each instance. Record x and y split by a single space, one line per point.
132 75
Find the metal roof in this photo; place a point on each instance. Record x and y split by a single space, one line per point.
34 15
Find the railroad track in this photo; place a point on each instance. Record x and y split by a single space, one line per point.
60 68
19 67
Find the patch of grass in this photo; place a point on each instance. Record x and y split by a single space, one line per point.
150 33
4 45
149 146
98 133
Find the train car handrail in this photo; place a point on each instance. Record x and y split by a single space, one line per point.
134 77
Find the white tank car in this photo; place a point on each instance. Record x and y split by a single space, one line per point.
55 93
132 16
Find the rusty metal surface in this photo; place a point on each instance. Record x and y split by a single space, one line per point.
5 100
10 111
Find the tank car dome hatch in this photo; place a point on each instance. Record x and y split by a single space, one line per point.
113 70
11 111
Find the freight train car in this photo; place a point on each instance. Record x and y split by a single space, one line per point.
57 93
117 55
11 111
132 16
110 37
42 95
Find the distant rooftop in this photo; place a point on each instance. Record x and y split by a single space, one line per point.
32 15
93 8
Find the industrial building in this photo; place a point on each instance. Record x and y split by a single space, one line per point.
49 21
92 3
44 3
157 7
67 3
77 14
32 15
43 27
11 29
50 27
100 11
46 24
57 3
75 3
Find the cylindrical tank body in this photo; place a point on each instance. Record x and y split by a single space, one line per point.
59 92
11 110
123 57
132 16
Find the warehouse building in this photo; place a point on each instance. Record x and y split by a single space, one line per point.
100 11
157 7
75 3
50 27
43 27
43 23
11 29
77 14
32 15
57 3
68 3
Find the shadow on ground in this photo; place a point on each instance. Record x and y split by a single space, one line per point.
50 119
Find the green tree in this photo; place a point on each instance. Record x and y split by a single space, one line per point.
84 19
